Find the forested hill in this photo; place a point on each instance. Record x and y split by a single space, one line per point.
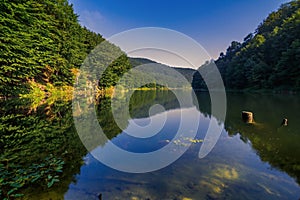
42 46
188 73
42 42
269 58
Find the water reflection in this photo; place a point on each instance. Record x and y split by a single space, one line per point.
259 161
232 171
38 149
272 142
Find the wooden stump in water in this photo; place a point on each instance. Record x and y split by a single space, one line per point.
284 122
247 117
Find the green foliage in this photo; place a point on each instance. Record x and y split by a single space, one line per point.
150 71
268 58
38 149
14 177
114 71
43 41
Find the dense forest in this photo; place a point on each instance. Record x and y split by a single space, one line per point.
43 45
269 58
42 42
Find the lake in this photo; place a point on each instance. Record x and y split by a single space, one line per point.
42 156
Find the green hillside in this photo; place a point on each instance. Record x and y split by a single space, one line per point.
42 42
269 58
157 71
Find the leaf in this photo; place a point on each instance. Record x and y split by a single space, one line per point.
15 185
11 191
50 183
56 180
17 195
35 179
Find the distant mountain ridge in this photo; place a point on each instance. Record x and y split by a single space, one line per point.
165 70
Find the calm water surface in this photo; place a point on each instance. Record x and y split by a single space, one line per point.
260 161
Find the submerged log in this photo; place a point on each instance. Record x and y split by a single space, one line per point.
247 117
284 122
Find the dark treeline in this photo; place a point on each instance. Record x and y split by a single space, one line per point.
42 41
269 58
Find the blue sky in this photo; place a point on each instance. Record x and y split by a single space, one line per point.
212 23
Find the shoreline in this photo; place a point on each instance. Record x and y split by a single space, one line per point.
66 92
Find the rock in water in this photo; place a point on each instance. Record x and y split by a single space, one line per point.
247 117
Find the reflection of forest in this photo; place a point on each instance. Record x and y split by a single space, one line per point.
40 149
279 146
36 144
141 101
139 105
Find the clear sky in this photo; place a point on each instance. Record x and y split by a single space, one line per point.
212 23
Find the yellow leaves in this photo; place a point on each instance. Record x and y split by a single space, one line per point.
275 30
258 40
46 94
75 71
48 71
